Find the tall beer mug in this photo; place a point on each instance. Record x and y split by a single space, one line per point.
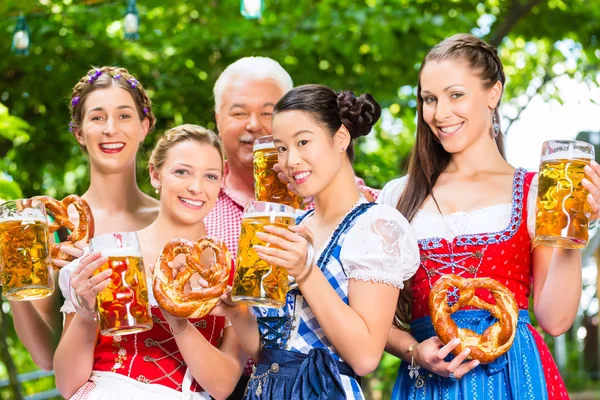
563 212
24 255
257 282
267 186
123 306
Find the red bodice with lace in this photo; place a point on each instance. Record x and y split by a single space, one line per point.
153 356
504 256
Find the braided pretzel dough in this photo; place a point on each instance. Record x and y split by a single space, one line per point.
170 291
497 339
83 231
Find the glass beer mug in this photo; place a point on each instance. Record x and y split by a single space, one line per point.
267 186
123 306
24 256
563 212
257 282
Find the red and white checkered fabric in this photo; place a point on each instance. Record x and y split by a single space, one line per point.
225 222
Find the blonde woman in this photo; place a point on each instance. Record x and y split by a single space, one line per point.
177 358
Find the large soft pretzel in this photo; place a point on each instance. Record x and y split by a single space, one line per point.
497 339
170 288
58 209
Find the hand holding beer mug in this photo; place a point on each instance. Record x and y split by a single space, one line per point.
267 185
123 306
259 281
563 210
24 258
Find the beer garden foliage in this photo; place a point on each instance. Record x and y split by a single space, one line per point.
369 45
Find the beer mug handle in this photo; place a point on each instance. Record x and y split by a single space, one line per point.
310 261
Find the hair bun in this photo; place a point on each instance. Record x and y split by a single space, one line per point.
358 114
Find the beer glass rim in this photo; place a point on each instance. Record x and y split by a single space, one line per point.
133 247
35 203
269 207
575 150
566 141
263 142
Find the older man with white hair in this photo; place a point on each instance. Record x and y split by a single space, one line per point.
245 94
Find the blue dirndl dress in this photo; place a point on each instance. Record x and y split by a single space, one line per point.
297 361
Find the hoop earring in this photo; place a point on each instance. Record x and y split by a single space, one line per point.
495 125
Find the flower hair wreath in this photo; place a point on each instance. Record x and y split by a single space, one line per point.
134 83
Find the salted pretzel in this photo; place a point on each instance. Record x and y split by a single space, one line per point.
497 339
58 209
174 290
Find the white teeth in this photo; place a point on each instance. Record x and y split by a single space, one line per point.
192 202
450 129
112 145
301 176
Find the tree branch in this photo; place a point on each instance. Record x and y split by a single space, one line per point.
516 12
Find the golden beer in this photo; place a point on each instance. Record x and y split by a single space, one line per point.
563 212
267 186
257 282
25 259
123 306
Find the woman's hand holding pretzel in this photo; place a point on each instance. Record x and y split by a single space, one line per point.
74 250
226 307
431 353
177 324
291 251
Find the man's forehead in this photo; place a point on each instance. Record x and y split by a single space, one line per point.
252 90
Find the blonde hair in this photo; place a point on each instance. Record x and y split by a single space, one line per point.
182 133
257 68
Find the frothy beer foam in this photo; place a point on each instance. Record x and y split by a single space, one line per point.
28 215
270 215
570 154
263 146
121 252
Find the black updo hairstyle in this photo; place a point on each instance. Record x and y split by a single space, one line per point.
331 110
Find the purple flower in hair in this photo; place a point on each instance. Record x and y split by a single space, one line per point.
133 82
145 110
71 126
117 76
95 75
75 101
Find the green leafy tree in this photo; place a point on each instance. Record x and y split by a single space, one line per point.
370 45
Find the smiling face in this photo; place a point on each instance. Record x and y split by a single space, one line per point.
308 154
456 105
111 129
245 115
189 180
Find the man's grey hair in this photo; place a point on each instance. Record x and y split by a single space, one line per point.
252 68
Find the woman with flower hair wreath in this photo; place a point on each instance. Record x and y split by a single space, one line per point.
111 114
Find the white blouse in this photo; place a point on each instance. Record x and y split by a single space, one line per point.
380 247
489 219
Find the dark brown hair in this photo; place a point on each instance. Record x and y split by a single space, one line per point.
428 158
332 110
